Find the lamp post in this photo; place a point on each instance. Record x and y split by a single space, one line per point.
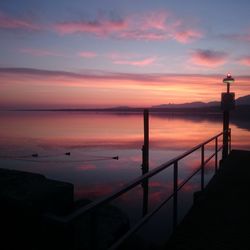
227 104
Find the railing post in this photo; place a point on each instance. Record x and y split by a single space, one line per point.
202 167
229 139
175 198
216 154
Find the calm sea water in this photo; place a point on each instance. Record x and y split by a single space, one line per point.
93 139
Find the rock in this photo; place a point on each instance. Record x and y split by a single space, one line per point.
25 198
34 192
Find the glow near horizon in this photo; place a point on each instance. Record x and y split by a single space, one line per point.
135 53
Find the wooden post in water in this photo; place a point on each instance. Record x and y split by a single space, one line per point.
145 167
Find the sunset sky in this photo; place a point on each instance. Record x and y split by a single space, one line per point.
90 53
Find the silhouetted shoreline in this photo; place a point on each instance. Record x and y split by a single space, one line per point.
198 110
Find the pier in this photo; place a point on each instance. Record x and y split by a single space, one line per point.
219 218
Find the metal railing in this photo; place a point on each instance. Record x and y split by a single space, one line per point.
74 216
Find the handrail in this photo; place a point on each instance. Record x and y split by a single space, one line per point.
94 205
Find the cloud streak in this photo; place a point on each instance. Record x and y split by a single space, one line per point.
9 22
208 58
139 63
87 54
97 27
244 37
148 26
39 52
152 26
97 75
27 87
187 35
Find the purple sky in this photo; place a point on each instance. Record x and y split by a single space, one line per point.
105 53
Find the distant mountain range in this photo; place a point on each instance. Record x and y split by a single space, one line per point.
244 100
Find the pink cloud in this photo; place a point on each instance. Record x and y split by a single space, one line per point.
87 54
39 52
245 60
154 20
208 58
148 35
121 55
187 35
7 22
132 59
139 63
151 26
99 28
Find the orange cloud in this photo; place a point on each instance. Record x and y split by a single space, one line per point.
208 58
47 88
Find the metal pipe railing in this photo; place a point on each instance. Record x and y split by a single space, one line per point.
69 219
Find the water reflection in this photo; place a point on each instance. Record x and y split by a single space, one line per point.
93 139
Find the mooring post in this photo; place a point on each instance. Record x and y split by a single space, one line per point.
145 167
146 141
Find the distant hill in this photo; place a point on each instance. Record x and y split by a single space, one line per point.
244 100
187 105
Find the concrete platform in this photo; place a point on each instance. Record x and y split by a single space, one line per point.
220 216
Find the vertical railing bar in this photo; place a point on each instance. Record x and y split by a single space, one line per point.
216 154
93 216
229 135
175 198
202 167
93 228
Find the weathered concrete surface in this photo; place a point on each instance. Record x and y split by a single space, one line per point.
220 216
